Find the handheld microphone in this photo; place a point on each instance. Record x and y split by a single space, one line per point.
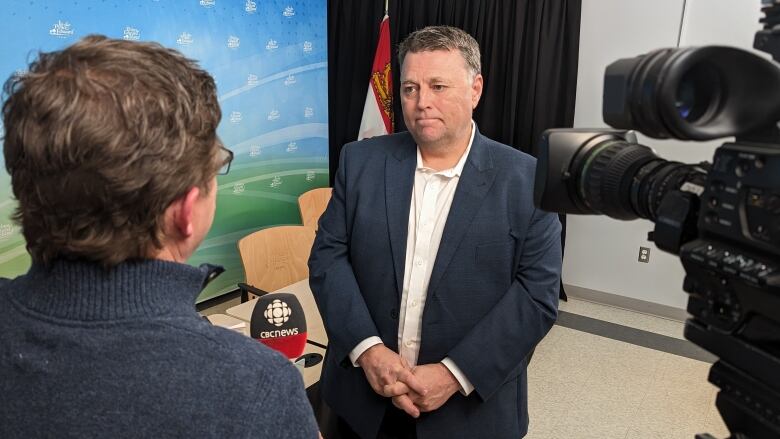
279 323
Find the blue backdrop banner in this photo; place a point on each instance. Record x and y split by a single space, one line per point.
269 59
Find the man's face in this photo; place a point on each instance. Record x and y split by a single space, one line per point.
438 97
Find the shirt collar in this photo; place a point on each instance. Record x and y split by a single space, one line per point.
451 172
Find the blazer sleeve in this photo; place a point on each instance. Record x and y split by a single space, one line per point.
336 291
494 350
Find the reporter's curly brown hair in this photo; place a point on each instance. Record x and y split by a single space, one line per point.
100 138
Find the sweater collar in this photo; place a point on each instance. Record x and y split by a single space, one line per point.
80 290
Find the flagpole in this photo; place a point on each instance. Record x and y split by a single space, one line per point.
386 3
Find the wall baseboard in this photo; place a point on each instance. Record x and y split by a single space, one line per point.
628 303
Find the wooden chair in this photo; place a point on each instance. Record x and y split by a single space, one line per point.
274 258
312 204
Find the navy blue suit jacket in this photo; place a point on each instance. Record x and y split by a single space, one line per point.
492 295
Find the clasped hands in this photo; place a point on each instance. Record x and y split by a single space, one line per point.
422 388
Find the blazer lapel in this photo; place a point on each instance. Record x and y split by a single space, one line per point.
475 181
399 179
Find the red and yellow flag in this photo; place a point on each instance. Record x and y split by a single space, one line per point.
378 110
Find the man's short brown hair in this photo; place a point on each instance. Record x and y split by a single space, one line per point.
442 38
100 138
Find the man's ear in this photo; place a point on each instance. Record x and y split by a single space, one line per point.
476 90
182 212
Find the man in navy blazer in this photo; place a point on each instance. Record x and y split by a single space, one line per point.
434 273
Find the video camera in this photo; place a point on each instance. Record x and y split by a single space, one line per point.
722 219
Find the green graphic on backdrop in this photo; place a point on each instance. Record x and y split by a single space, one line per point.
269 60
14 258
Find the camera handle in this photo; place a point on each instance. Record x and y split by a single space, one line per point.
768 39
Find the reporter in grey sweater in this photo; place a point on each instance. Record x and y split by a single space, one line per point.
113 154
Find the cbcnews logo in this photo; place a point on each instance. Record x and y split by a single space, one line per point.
279 333
277 313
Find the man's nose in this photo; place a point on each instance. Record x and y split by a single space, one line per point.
423 98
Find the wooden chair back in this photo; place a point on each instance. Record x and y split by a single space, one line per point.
312 204
276 257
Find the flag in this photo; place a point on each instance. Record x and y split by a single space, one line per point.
378 110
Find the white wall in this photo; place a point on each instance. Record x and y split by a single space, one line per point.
601 253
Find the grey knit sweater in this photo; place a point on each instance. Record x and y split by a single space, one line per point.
86 352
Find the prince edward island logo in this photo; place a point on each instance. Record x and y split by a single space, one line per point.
131 34
277 313
61 29
185 39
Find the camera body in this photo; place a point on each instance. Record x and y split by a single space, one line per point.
733 281
722 219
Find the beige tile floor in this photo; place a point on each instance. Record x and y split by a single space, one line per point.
585 386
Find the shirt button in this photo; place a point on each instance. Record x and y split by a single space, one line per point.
418 262
414 302
409 343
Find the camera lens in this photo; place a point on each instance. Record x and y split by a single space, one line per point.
605 172
626 180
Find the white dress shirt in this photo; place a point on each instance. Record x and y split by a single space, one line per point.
431 201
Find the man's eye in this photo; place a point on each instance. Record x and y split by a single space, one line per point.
409 90
438 87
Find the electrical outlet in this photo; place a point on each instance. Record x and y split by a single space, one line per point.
644 254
